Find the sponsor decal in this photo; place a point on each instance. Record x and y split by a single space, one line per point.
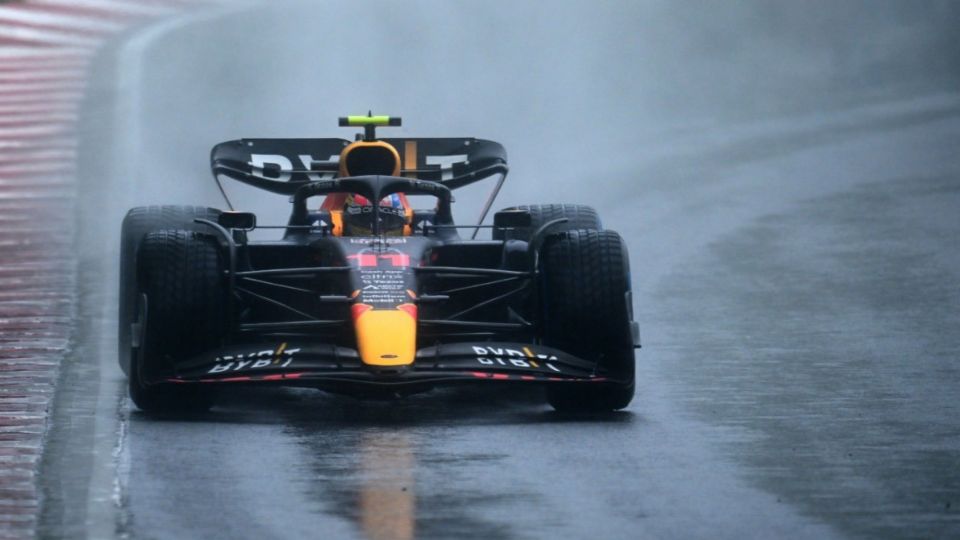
524 358
367 259
286 166
357 210
280 357
389 240
383 286
446 163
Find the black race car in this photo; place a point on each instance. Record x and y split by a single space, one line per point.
364 294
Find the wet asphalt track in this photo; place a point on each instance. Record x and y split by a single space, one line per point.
795 277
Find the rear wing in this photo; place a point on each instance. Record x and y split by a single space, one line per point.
284 165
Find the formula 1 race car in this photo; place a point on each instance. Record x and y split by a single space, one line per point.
365 295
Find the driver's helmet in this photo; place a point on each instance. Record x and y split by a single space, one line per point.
358 216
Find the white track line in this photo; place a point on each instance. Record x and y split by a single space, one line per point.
41 87
42 107
27 173
40 72
24 52
33 132
66 143
47 37
8 157
10 63
53 99
9 121
32 88
36 119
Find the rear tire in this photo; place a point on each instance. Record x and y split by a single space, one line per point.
182 285
137 223
578 216
587 311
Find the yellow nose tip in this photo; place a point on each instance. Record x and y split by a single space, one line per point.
386 337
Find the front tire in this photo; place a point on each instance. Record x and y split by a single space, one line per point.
587 312
181 313
138 222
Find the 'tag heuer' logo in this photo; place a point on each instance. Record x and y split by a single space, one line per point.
280 357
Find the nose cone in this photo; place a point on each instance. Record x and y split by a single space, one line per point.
386 337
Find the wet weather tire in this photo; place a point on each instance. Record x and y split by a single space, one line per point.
137 223
578 217
181 313
587 311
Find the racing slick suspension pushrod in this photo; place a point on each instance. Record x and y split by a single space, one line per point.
481 285
289 325
489 301
292 271
475 324
471 271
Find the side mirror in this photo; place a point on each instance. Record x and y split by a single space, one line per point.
238 220
512 219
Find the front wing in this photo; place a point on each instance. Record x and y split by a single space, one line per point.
330 367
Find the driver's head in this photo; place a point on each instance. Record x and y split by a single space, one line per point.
358 216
